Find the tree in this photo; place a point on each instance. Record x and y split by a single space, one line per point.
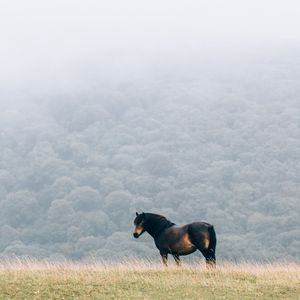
19 209
85 199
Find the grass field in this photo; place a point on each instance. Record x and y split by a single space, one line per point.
29 279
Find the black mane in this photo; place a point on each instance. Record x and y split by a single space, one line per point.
155 224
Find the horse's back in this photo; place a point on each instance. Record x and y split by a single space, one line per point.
200 225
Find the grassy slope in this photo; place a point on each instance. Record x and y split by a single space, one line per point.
35 280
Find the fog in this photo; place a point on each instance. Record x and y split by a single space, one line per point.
190 109
59 42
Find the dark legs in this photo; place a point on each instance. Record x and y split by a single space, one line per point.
203 236
210 258
164 257
177 260
208 251
209 254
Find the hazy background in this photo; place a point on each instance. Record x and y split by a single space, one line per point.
190 109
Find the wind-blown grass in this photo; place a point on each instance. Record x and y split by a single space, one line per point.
34 279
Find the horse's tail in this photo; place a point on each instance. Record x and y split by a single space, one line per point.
212 238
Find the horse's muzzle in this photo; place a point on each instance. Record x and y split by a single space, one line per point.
136 235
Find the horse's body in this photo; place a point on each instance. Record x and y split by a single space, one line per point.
177 240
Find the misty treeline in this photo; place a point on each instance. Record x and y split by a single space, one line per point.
220 144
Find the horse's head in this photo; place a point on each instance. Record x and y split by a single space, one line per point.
139 227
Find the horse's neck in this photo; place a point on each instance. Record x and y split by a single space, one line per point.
158 227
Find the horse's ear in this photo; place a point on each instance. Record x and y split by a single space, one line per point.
143 214
136 213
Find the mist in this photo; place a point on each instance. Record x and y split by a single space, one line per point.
188 109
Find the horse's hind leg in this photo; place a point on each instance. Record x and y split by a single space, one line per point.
177 260
209 255
203 245
210 258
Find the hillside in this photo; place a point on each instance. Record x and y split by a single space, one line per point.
217 142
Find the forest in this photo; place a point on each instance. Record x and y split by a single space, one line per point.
215 140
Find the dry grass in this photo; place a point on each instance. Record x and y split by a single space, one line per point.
33 279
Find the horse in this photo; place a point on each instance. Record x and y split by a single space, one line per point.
177 240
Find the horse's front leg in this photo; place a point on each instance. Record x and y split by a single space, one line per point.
177 260
164 257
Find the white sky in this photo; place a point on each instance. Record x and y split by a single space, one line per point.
39 37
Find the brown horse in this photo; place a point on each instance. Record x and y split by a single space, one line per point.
178 240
